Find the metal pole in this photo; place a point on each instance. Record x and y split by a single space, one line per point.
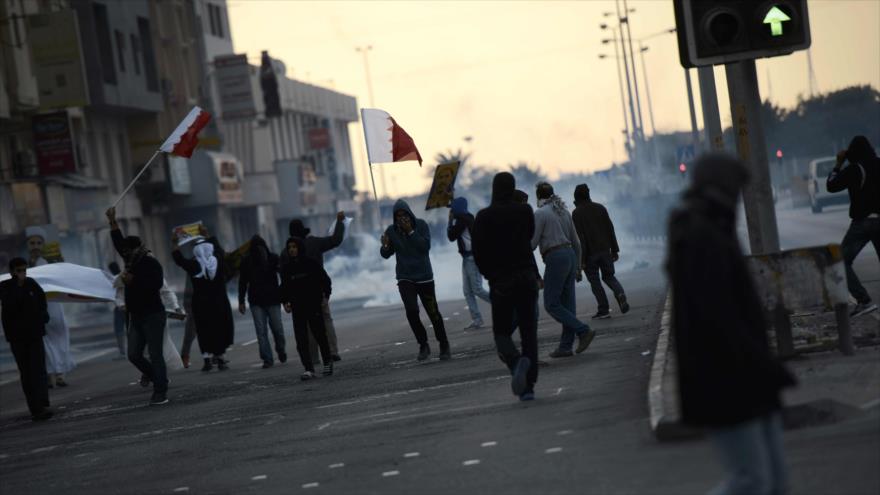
365 51
695 136
136 177
634 72
647 88
622 98
632 111
745 108
711 115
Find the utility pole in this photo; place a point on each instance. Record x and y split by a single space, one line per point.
711 115
695 135
632 108
632 57
745 108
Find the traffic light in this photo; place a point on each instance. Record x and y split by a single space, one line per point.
682 168
713 32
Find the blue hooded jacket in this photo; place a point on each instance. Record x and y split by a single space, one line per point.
460 222
411 250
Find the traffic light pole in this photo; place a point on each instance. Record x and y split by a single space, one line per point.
745 108
695 134
711 115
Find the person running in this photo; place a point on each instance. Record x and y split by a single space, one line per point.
862 179
59 359
459 231
559 246
409 240
258 281
25 315
315 248
143 278
304 284
599 249
502 235
210 306
728 380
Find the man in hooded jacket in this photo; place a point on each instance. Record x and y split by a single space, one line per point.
729 382
862 180
409 240
460 231
259 281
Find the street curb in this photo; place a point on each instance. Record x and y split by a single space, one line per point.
665 416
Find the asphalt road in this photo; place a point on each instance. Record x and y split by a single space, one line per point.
388 424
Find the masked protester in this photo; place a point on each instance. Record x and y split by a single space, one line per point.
459 231
258 281
729 382
861 178
408 239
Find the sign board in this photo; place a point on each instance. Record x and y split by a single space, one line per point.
53 143
51 243
28 202
57 59
178 170
233 76
443 187
187 233
319 139
230 176
308 178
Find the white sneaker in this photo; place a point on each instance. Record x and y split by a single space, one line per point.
863 309
308 375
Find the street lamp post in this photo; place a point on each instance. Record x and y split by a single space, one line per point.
632 110
632 57
626 132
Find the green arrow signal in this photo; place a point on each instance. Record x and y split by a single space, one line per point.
775 17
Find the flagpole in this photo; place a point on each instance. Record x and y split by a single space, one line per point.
138 176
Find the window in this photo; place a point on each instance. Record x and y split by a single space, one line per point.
105 47
211 19
149 56
136 53
216 20
220 20
120 49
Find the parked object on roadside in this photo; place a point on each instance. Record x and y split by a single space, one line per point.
861 178
817 174
729 382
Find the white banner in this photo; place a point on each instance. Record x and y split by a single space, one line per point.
70 283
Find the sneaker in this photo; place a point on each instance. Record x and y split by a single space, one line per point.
42 415
61 383
859 310
208 366
282 357
476 324
518 380
621 300
559 353
328 369
336 358
602 315
144 381
445 353
527 396
158 399
267 364
424 352
584 340
185 360
221 364
308 375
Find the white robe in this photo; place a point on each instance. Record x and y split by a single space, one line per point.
57 338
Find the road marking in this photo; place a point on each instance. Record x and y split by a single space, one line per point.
313 484
258 365
249 342
456 313
387 474
559 390
488 444
44 449
399 343
471 462
4 456
871 404
553 450
337 465
410 455
564 432
370 398
259 477
325 425
182 489
646 353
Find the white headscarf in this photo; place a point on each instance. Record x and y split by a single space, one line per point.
204 253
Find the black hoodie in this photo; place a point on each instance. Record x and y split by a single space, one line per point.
304 283
502 233
259 275
861 177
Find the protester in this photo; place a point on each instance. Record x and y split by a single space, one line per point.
599 250
728 380
24 316
861 177
409 240
143 278
189 330
118 314
304 284
559 246
315 248
459 231
210 306
258 280
59 360
502 235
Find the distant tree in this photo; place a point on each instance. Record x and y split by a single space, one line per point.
526 175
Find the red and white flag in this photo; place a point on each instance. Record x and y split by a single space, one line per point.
184 139
386 141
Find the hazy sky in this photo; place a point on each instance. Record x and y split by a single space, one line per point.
523 78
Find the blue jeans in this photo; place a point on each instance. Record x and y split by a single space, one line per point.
472 285
268 316
752 455
561 268
860 233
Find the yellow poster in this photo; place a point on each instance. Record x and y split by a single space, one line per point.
187 233
443 187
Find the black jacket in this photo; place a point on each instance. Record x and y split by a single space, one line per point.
726 372
304 282
502 236
259 276
315 247
458 225
594 229
863 182
24 310
142 294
